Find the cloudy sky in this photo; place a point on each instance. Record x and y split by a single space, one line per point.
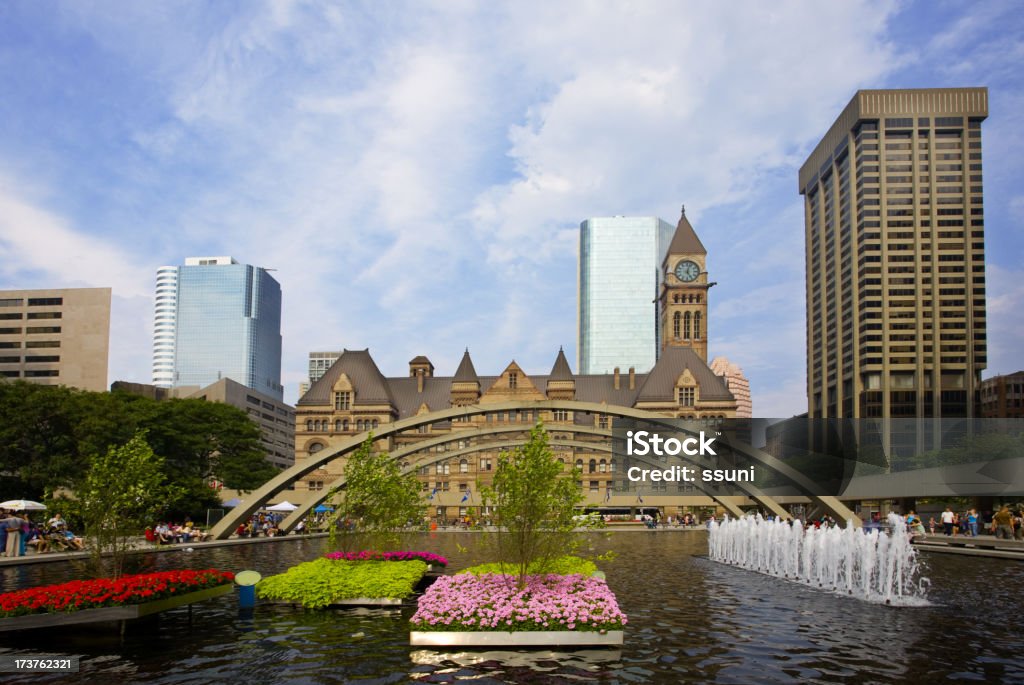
416 172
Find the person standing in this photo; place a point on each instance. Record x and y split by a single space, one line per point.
12 524
972 522
1002 524
947 521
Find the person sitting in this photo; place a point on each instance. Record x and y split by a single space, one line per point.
76 542
241 531
34 539
57 523
164 534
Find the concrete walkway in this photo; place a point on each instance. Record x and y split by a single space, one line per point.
143 547
980 546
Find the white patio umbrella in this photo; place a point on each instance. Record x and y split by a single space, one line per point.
22 505
283 506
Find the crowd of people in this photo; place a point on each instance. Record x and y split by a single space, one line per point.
264 523
1004 523
167 533
19 534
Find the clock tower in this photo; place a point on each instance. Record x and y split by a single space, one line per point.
683 300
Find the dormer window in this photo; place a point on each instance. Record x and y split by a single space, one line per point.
513 379
342 400
687 396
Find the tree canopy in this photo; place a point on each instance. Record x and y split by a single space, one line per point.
51 435
534 505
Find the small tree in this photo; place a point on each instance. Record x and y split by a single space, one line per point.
123 491
533 505
376 504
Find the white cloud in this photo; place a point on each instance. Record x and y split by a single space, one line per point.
40 249
417 174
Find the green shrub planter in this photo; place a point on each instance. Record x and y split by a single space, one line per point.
323 583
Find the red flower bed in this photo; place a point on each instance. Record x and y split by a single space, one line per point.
104 592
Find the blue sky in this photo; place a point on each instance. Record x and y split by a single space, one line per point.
417 172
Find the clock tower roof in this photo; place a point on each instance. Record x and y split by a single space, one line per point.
685 240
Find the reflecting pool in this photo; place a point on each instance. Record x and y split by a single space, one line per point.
691 621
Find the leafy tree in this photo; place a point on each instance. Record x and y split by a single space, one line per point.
377 502
49 434
122 492
533 506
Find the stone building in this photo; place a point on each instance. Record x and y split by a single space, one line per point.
353 396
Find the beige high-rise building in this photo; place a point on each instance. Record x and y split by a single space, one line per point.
896 256
56 337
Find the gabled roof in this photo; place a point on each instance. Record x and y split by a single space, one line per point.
560 371
370 384
685 240
466 373
660 384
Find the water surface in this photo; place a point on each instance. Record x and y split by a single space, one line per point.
691 621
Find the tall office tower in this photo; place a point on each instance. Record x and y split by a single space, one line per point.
896 256
216 318
620 277
319 362
56 337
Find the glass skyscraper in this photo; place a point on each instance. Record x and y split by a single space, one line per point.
619 278
216 318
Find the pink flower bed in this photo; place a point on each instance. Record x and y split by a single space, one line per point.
367 555
492 602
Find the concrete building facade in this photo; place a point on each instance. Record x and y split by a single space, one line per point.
56 337
895 257
1002 397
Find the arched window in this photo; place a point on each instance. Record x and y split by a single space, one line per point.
463 466
438 469
696 326
315 447
360 426
698 298
375 423
593 466
309 425
686 326
675 298
675 325
602 466
579 464
344 425
337 425
447 468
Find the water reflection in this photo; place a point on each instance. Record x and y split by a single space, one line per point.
691 621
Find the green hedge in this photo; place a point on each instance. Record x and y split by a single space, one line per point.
562 566
318 583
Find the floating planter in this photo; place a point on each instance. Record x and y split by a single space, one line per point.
489 610
103 600
324 582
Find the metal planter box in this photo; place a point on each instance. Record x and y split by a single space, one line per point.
525 638
127 612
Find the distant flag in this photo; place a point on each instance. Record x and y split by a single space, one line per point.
432 493
639 497
468 496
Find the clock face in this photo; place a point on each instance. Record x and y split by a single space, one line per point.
687 271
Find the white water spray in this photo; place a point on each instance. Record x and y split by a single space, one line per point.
870 565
